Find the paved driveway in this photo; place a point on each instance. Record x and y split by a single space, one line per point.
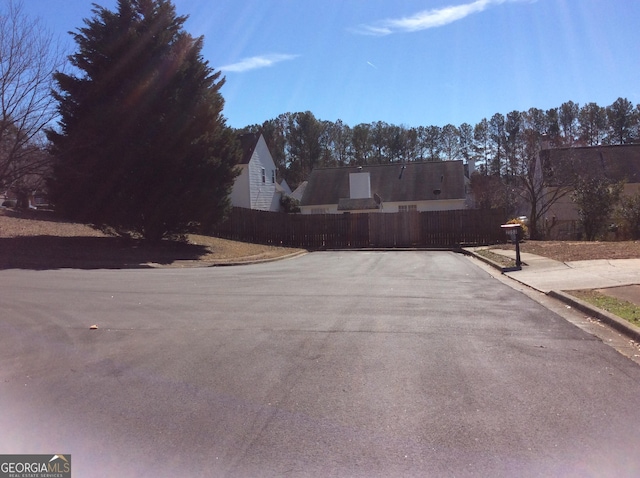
332 364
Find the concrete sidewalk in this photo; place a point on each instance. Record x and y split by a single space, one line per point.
618 278
546 275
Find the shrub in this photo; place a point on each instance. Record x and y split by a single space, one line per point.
523 225
596 199
289 205
628 216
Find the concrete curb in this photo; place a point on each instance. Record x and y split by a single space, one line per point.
257 261
617 323
621 325
488 261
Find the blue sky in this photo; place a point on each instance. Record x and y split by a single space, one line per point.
405 62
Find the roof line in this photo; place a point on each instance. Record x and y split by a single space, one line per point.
399 163
595 146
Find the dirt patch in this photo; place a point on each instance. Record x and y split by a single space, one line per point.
40 240
629 293
41 223
501 260
565 251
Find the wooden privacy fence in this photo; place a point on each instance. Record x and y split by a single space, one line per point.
362 230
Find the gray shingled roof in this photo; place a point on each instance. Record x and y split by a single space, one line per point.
617 162
392 182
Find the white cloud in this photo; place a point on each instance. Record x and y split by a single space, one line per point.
428 18
256 62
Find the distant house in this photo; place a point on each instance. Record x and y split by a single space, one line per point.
284 187
423 186
24 198
256 186
562 166
299 191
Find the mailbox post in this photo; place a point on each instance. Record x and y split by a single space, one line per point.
514 232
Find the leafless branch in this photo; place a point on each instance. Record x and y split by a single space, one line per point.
28 58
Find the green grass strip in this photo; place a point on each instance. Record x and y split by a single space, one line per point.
621 308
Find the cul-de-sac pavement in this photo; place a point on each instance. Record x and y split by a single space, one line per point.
333 364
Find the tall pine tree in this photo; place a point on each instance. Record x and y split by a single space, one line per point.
142 145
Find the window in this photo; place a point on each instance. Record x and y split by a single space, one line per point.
407 208
264 175
273 176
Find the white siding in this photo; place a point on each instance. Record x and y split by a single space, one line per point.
262 193
249 190
240 193
326 208
439 205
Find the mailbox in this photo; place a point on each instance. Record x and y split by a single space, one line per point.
514 233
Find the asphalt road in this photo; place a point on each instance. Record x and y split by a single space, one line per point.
358 364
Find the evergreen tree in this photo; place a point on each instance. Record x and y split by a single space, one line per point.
304 147
433 143
275 137
143 145
621 121
513 141
568 121
497 137
593 124
450 142
553 127
361 140
341 140
397 143
481 144
379 141
466 141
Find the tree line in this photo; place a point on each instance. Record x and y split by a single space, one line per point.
499 145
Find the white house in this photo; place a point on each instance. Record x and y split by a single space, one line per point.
256 186
423 186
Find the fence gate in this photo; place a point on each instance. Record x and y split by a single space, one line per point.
395 230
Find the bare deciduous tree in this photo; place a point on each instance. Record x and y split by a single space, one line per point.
28 58
534 189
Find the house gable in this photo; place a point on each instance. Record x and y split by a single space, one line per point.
256 187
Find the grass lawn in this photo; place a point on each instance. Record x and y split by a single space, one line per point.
621 308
